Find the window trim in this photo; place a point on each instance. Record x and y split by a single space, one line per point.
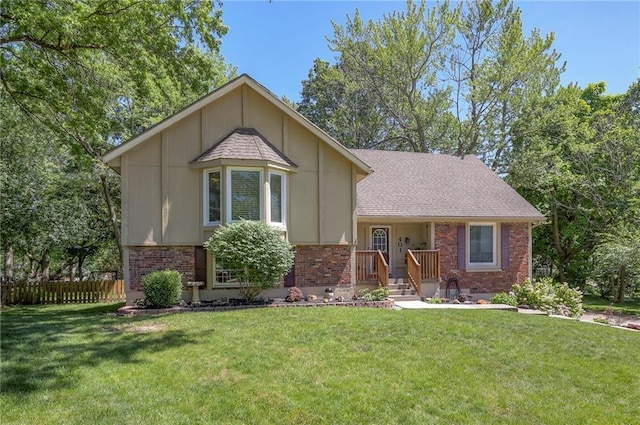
283 200
205 193
493 265
229 198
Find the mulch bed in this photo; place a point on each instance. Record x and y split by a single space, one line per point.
276 303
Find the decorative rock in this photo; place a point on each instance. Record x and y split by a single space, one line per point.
635 326
313 297
294 295
483 302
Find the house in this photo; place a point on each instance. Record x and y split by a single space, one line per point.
241 153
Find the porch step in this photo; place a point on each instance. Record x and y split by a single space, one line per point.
397 298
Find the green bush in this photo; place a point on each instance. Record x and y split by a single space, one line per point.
256 251
504 298
547 295
378 294
162 288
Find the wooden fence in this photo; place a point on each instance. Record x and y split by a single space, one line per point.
63 292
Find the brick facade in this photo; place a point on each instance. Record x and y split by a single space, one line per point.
146 259
446 240
323 265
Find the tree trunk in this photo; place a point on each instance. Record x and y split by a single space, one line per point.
622 284
7 272
80 264
45 263
115 228
556 240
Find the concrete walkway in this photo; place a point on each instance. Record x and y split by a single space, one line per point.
416 305
618 322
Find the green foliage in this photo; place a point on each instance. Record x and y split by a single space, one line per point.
504 298
446 79
547 295
378 294
162 288
435 300
79 77
256 251
617 263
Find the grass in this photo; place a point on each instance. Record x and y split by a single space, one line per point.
83 365
630 306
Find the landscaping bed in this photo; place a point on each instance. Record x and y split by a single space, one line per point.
236 304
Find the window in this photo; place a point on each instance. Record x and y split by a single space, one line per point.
276 185
213 198
245 189
236 193
482 245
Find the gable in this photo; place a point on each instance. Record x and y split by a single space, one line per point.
250 99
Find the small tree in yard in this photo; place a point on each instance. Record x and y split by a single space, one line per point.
257 251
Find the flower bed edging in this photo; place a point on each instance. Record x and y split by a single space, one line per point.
134 311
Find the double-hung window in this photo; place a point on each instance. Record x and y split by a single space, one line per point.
482 245
245 194
277 198
213 199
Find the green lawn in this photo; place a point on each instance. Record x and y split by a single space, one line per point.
83 365
630 306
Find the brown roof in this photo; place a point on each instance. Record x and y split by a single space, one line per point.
245 143
407 184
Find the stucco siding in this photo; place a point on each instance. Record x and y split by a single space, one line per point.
144 215
303 208
337 212
221 117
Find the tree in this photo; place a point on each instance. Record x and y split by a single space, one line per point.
495 70
577 158
97 72
440 79
257 252
617 262
396 64
345 109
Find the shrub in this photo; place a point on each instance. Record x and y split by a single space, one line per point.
436 300
504 298
379 294
258 252
547 295
163 288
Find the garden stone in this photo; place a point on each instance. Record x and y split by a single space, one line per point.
294 294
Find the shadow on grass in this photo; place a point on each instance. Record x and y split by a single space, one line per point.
45 347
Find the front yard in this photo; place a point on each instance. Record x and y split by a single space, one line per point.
83 365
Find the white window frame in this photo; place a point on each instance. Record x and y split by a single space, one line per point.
283 201
229 197
205 197
486 265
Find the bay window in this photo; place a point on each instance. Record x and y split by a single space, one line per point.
244 193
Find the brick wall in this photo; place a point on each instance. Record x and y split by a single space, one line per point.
145 259
446 239
326 265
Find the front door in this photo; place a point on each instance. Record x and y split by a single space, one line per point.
380 241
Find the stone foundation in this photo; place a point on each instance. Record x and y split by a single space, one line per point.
446 239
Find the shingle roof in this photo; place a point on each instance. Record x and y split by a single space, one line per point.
245 143
407 184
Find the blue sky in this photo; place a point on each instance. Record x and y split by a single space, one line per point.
276 42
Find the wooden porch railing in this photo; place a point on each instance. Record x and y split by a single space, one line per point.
429 261
414 275
371 266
